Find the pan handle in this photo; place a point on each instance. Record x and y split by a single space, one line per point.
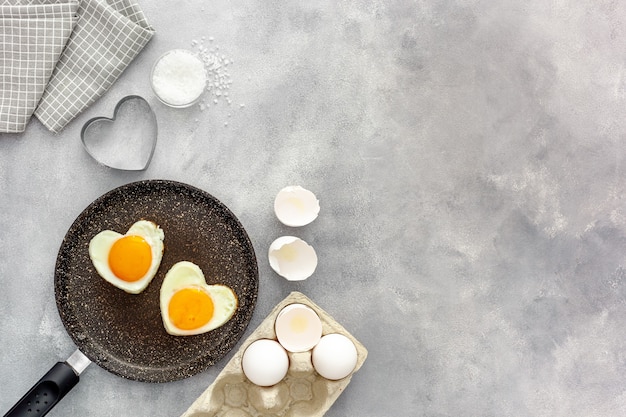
46 393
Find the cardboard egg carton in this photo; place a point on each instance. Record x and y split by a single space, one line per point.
302 393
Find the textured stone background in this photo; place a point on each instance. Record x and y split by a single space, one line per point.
470 162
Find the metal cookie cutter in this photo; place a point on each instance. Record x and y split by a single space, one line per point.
127 140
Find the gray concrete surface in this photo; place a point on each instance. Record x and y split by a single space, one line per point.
470 162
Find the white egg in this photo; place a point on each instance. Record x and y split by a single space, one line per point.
128 261
189 306
298 328
292 258
334 357
296 206
265 362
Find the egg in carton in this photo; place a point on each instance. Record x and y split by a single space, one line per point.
302 393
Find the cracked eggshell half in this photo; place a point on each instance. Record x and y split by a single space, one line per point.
296 206
292 258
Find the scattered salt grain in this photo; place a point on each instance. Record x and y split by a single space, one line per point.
217 66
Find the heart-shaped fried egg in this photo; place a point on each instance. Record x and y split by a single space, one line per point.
190 306
128 261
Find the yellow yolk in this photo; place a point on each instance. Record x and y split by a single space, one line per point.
190 308
130 258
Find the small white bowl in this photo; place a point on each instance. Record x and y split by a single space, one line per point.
292 258
178 78
296 206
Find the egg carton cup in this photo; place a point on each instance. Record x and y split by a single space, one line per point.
302 393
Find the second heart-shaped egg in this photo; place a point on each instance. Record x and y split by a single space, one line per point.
190 306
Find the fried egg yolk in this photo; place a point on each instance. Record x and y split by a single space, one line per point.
190 308
130 258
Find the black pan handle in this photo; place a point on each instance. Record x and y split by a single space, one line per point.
46 393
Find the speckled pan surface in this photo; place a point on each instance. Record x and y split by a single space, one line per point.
124 333
302 393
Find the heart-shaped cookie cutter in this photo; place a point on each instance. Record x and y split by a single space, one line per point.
125 141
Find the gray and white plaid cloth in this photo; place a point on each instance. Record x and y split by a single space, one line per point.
32 38
105 36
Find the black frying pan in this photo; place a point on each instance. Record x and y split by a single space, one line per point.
123 333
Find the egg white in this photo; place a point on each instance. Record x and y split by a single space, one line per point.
100 246
186 274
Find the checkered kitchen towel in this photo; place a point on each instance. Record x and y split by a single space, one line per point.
105 39
32 37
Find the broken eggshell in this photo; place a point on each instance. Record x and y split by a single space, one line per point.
296 206
292 258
